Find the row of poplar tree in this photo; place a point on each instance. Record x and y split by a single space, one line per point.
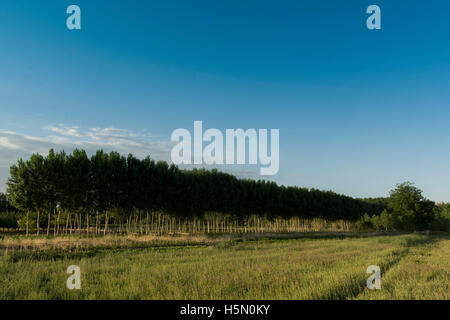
109 182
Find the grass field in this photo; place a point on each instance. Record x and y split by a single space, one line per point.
259 266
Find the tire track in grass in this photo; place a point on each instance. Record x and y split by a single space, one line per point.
408 273
355 284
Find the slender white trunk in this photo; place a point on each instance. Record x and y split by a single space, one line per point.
28 216
37 223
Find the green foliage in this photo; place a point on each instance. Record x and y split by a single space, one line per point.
8 216
8 220
4 203
408 210
383 222
410 207
441 221
364 223
443 209
22 221
119 188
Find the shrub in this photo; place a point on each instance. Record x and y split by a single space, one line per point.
440 224
364 223
441 221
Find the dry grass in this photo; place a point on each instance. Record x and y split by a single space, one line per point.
152 240
323 266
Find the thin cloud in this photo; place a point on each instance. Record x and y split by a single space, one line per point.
5 143
63 130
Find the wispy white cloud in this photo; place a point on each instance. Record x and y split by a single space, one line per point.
64 130
5 143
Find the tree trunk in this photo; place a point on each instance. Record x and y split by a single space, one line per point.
106 223
96 223
151 226
57 222
67 223
28 215
134 221
48 222
37 223
70 223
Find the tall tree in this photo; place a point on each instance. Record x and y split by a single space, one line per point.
409 205
19 189
37 176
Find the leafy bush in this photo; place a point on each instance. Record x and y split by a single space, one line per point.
364 223
437 219
383 222
440 224
22 222
441 221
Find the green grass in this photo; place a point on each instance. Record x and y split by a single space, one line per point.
413 266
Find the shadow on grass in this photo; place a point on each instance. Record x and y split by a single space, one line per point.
75 253
356 285
422 237
229 241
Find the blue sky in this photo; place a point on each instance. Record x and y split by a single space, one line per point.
358 110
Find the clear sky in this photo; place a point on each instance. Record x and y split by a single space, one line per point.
358 110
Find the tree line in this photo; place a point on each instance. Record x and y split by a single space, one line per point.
108 187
